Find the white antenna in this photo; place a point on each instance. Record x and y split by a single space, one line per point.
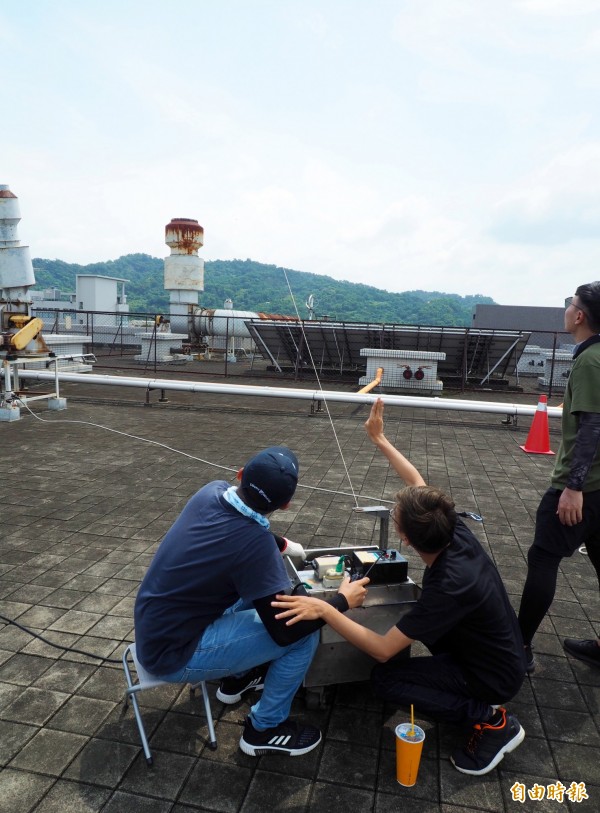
310 303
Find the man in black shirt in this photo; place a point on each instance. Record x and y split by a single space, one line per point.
463 616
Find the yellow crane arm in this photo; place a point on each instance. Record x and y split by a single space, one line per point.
29 331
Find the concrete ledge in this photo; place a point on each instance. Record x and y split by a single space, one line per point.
10 414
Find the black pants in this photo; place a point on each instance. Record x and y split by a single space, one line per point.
551 544
434 685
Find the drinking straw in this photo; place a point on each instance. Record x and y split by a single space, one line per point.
412 720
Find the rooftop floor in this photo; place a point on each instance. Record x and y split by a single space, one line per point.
83 510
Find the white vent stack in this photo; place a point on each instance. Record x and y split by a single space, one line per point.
16 269
184 270
20 333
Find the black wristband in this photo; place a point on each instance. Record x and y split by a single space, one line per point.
340 602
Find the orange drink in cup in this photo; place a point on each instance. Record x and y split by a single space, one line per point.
409 745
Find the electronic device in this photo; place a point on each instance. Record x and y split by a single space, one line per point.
381 566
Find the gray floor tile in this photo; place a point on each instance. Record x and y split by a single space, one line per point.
13 736
164 779
20 790
73 797
385 803
185 734
24 669
34 706
135 804
577 763
221 787
76 621
266 790
48 752
102 762
352 765
327 798
64 676
81 715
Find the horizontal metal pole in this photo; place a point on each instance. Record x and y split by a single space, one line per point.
420 402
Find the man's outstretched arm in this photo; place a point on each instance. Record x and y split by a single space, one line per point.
403 467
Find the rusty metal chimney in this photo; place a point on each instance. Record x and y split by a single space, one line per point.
184 270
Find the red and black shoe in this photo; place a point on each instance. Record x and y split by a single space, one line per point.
488 744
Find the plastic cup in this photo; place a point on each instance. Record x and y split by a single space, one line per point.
409 745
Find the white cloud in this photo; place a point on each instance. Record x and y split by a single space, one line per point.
557 204
559 8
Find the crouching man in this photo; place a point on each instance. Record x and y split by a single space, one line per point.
203 610
463 616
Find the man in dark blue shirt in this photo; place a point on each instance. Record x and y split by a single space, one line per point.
203 610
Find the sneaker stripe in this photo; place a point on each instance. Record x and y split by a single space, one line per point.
280 740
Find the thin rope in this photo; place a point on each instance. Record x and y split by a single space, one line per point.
314 366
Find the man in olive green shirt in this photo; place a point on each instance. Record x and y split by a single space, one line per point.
569 513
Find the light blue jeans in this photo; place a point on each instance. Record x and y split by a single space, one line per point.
239 641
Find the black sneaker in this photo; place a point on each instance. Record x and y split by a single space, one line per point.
288 737
232 688
587 651
488 744
529 660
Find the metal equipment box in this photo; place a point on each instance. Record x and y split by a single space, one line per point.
403 369
336 661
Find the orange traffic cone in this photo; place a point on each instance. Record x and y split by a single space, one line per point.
538 439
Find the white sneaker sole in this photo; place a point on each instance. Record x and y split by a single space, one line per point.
510 746
230 699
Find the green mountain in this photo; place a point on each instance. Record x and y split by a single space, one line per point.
258 287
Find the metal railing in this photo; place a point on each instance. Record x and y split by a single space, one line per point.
141 341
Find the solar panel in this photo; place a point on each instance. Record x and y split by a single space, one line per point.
335 346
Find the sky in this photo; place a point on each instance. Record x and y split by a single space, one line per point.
441 145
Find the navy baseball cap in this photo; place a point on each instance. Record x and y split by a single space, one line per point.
270 478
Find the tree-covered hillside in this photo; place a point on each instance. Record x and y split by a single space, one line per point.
257 287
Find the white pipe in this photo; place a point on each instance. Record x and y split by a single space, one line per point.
288 392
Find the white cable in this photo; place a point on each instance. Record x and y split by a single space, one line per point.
314 366
127 435
191 456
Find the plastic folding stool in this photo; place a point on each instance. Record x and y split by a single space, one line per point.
147 681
